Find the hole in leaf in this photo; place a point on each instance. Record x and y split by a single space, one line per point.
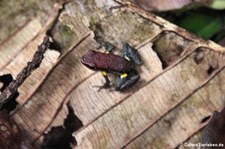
55 46
58 138
163 61
210 69
61 137
5 79
199 56
169 47
72 122
11 104
205 119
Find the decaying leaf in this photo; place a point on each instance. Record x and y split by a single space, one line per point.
10 135
182 81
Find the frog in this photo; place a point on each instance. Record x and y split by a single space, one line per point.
123 66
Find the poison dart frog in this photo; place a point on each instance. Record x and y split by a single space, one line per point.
123 66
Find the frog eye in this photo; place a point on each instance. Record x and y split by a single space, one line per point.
127 58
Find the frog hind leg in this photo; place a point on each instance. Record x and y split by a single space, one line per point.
107 82
126 80
130 53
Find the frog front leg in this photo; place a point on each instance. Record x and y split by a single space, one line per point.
109 49
107 81
126 80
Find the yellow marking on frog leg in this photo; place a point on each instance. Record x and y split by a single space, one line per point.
127 58
104 73
123 75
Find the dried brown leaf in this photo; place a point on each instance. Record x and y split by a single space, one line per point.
181 83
